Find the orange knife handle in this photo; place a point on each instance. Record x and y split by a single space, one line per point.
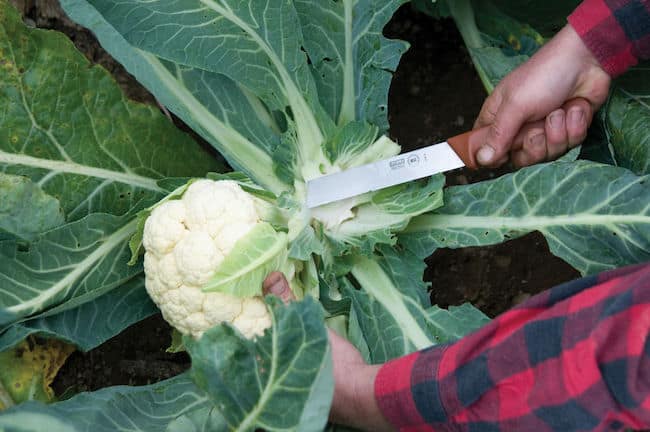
467 144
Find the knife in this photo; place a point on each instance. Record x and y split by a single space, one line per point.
456 152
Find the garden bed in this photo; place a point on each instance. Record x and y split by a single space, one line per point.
435 94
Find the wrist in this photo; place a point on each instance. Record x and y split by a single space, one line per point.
355 404
592 80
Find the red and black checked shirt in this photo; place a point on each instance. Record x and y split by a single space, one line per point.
616 31
573 358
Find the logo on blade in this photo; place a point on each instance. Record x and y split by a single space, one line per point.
396 164
413 160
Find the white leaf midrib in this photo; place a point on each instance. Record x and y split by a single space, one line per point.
441 221
81 268
71 167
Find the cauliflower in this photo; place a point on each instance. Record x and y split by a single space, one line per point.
185 241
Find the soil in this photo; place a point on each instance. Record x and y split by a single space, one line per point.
435 94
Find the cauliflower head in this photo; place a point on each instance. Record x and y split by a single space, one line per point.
185 240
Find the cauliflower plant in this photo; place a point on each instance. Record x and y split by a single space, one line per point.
185 241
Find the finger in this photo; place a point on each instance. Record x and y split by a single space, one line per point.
489 109
557 140
276 284
529 145
501 133
579 114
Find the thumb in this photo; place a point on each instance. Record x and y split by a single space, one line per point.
276 284
501 133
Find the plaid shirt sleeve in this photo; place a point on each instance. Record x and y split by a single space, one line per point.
616 31
576 357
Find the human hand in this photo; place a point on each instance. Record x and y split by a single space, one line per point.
544 107
354 398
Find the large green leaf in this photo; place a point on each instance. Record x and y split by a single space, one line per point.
67 126
258 47
281 381
594 216
92 323
114 409
351 60
25 210
213 105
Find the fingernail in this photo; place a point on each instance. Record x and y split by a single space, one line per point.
485 155
277 288
576 117
556 120
537 140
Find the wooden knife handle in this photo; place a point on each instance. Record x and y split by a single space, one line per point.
467 144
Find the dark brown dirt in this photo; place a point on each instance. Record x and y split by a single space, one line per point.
435 94
135 357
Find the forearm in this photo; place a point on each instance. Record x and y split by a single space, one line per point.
572 358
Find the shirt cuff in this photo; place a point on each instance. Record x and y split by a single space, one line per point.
601 32
407 391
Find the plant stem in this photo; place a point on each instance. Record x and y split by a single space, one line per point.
463 14
6 401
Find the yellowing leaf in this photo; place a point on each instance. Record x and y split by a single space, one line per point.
29 369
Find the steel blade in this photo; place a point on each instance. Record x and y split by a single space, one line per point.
398 169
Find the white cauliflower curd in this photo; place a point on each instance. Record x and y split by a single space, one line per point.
185 240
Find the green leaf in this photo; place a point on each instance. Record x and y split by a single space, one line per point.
205 419
305 244
455 322
244 182
113 409
594 216
352 61
255 255
393 322
349 141
65 267
257 47
406 270
211 104
90 324
388 212
25 210
548 16
627 120
331 300
356 144
281 381
389 318
66 125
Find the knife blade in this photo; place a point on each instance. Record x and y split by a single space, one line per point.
456 152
